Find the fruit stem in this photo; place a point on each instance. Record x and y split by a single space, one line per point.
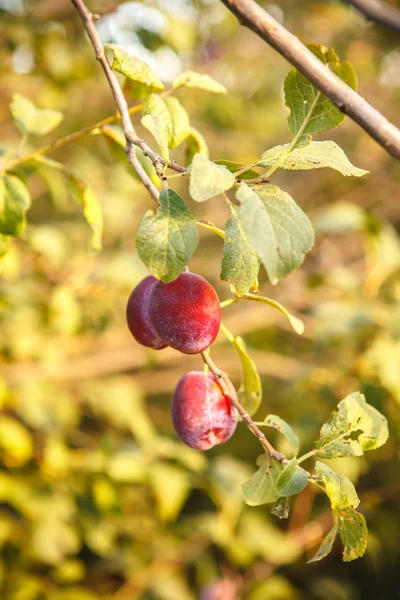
222 379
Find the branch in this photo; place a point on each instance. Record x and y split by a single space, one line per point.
132 139
383 14
222 379
250 14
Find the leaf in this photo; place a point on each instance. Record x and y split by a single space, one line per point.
292 480
276 227
281 507
142 80
327 544
166 240
339 218
116 134
353 533
91 209
156 107
180 124
195 144
352 429
233 167
285 429
240 264
208 179
295 322
261 488
171 486
15 201
339 489
315 155
190 79
32 120
160 131
311 111
250 392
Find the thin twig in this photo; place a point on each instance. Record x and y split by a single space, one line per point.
383 14
223 379
252 15
132 139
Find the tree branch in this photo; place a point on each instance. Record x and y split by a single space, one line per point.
383 14
132 139
222 379
252 15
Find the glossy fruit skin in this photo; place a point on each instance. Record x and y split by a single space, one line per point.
185 313
201 413
137 315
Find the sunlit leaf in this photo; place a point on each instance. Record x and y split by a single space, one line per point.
208 179
180 124
142 79
32 120
295 322
15 200
233 167
91 209
353 533
276 227
240 264
190 79
195 144
326 544
285 429
171 486
166 240
250 391
352 429
159 129
339 489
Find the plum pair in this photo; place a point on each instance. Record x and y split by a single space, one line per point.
186 315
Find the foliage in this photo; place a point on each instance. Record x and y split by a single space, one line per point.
96 495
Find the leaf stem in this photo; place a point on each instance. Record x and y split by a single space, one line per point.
306 456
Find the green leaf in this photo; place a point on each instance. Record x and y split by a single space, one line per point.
180 124
339 489
15 201
250 391
32 120
116 134
208 179
327 543
352 429
285 429
142 80
295 322
190 79
276 227
195 144
91 209
353 533
311 111
160 131
292 480
240 264
166 240
261 488
233 167
156 107
281 507
315 155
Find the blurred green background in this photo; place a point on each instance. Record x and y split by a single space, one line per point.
98 498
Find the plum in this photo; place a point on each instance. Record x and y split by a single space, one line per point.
137 315
201 413
185 313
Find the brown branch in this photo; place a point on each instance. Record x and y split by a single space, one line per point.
383 14
223 381
252 15
132 139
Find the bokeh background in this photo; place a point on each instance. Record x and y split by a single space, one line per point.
98 498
